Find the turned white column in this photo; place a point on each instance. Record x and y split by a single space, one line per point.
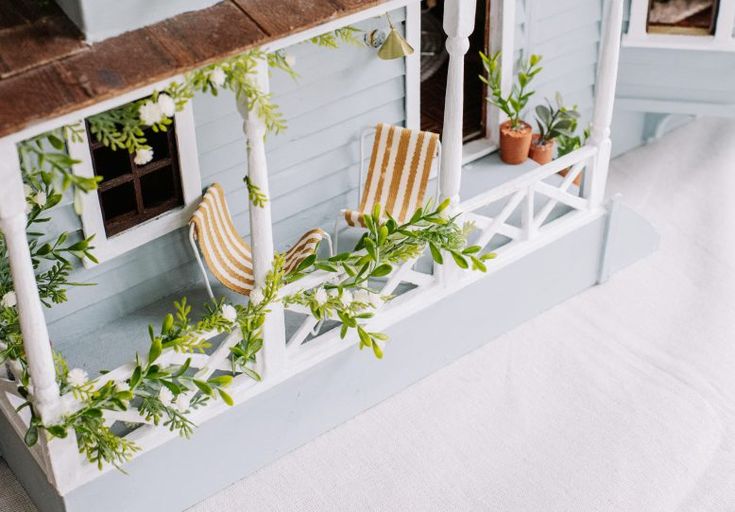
60 455
459 21
30 310
261 227
607 76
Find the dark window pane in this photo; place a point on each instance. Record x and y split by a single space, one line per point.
159 143
158 187
687 17
118 201
110 164
132 194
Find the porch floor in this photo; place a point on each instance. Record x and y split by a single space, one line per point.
95 345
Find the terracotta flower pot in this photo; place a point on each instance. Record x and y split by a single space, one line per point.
515 144
541 153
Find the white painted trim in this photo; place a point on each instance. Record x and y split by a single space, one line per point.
637 35
501 37
413 66
91 216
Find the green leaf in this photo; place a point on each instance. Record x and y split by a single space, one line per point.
204 387
377 350
251 373
459 260
382 270
57 431
221 380
31 437
226 398
436 254
155 350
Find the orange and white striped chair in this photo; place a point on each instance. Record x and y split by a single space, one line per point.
228 256
398 173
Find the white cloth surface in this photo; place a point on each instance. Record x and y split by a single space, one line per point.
621 399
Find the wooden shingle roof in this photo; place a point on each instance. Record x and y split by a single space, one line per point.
47 69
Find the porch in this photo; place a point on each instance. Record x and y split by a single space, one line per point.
96 344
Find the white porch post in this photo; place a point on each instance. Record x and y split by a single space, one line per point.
459 21
607 76
261 228
30 310
60 455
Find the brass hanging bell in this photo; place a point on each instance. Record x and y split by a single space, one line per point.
395 46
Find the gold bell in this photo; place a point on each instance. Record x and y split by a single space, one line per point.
394 46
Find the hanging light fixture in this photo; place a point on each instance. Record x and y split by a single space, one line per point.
394 46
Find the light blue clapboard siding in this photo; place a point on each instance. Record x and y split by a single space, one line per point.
567 34
650 75
312 168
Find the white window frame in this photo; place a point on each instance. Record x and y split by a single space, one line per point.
722 40
501 37
107 248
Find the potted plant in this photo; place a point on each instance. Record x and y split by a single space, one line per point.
515 134
552 122
571 141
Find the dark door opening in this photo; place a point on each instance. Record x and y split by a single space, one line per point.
434 64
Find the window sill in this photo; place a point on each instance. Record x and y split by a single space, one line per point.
476 149
679 42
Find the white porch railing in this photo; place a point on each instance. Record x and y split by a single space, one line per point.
535 194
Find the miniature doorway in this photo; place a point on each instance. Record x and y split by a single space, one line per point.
434 62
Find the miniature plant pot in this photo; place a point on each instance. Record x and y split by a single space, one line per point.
541 153
515 144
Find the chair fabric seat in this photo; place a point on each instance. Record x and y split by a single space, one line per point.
228 256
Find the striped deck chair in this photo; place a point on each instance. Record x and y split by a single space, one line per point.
398 173
228 256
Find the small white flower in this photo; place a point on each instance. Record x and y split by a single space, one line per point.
143 156
362 296
40 199
333 292
70 406
122 386
180 404
290 59
376 300
27 190
9 300
229 312
321 296
77 377
217 76
167 105
3 346
346 298
166 396
150 113
256 296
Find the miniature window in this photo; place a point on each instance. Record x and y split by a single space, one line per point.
684 17
136 204
130 194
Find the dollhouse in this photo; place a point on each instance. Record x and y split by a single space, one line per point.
172 217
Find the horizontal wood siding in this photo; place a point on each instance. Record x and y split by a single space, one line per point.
567 34
312 168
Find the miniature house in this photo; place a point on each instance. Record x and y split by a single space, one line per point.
552 238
